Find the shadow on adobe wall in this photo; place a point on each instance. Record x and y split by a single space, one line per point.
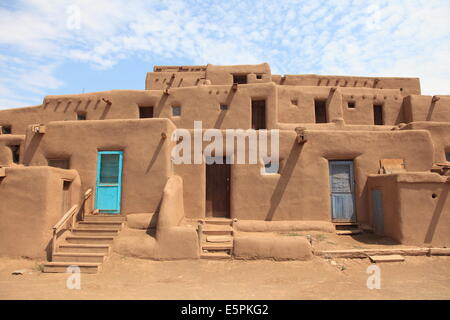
437 214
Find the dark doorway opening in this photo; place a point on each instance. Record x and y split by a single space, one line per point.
258 114
378 115
15 150
66 196
320 111
218 190
240 78
145 112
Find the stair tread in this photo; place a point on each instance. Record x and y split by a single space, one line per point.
215 254
348 232
101 222
92 229
79 254
84 245
387 258
89 237
217 245
219 238
80 264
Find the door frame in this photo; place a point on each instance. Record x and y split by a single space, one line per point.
352 188
119 181
228 188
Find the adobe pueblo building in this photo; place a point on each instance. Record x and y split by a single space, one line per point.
88 173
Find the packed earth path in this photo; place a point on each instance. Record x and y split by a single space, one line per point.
130 278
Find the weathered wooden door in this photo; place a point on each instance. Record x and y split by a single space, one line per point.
218 190
342 191
109 181
377 212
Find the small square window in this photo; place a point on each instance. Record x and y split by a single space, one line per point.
6 130
145 112
81 115
176 111
223 107
259 76
351 104
271 167
294 102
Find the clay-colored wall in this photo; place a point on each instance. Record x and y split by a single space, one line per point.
411 214
146 155
220 75
20 118
164 80
31 204
6 140
422 108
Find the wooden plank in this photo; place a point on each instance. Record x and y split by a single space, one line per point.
387 258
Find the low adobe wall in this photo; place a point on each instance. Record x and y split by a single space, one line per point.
31 204
416 207
6 140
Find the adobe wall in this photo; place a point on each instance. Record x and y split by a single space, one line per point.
20 118
423 108
6 140
146 155
416 208
301 191
28 211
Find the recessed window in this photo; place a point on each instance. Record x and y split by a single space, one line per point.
378 115
351 105
81 115
176 111
259 76
59 163
447 156
320 111
294 102
6 130
259 114
240 78
15 150
223 107
145 112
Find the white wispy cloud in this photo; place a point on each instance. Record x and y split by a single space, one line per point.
350 37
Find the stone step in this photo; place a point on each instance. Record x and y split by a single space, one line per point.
61 267
104 217
348 232
85 248
387 258
116 225
75 257
94 232
76 239
215 255
217 246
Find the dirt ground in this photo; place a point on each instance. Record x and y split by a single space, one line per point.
130 278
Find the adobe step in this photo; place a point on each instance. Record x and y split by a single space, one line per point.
104 217
217 246
94 232
226 222
217 230
215 255
61 267
84 248
75 257
348 232
76 239
116 225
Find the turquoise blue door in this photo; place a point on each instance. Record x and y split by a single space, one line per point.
342 191
109 181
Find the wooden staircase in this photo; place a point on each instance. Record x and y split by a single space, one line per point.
216 238
87 245
347 228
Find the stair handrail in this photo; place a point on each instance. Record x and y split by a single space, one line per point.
71 215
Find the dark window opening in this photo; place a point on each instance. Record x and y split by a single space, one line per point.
294 102
320 111
66 196
240 79
223 107
15 149
145 112
176 111
6 130
59 163
259 76
378 115
447 157
259 114
271 167
351 104
81 115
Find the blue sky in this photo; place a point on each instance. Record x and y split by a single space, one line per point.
74 46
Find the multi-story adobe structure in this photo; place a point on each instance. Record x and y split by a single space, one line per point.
355 154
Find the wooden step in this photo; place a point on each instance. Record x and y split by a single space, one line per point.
226 222
116 225
105 217
217 246
94 232
76 239
61 267
215 255
78 257
387 258
84 248
348 232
